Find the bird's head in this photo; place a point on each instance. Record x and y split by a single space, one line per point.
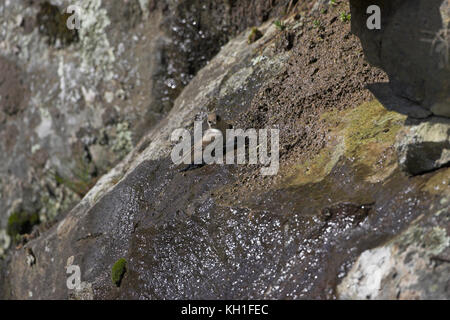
212 120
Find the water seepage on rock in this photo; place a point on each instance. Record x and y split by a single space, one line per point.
424 146
412 46
75 102
414 265
233 77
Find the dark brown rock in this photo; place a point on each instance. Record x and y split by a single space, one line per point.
412 47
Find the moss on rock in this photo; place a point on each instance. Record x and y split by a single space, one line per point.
20 223
368 128
118 271
439 183
255 35
365 135
315 169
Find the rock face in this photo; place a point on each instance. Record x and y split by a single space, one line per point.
74 102
226 231
412 47
415 265
424 146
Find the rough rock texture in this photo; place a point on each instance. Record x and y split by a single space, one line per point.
218 76
413 48
74 103
225 231
424 146
414 265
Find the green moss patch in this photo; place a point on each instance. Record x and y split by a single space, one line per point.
365 135
254 35
368 129
439 183
118 271
315 169
83 177
20 223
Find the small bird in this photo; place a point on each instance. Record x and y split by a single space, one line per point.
215 122
216 125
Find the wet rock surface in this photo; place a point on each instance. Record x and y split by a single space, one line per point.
339 208
73 103
414 265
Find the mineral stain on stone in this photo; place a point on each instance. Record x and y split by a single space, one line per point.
118 271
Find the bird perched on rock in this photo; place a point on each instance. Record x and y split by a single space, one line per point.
216 125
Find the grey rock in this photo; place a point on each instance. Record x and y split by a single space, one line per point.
384 94
65 94
412 47
181 241
319 4
414 265
424 146
90 236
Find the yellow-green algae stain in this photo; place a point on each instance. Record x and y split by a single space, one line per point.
439 183
315 169
365 135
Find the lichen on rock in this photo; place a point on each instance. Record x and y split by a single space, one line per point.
89 142
95 48
401 268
